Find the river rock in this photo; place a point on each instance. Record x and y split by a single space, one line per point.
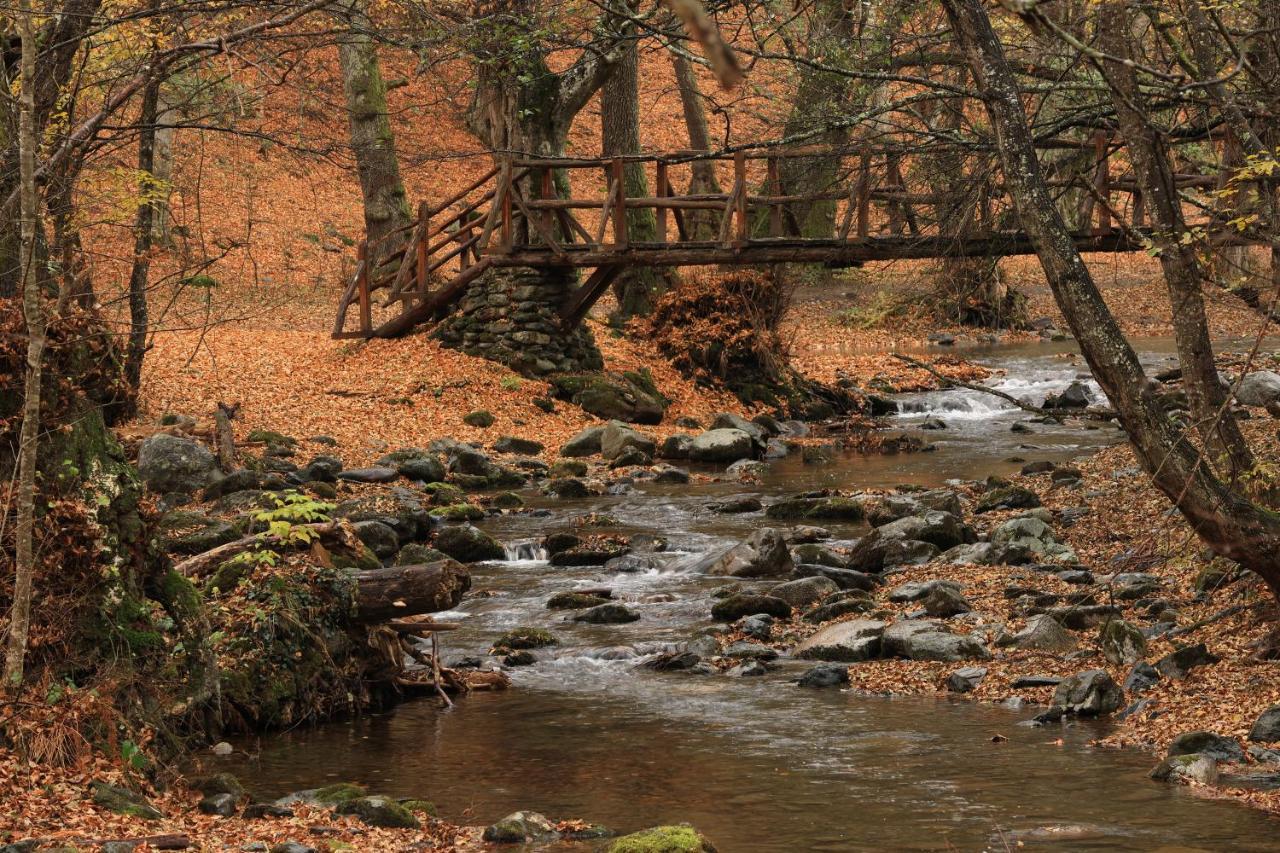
585 443
321 469
574 601
746 604
519 827
941 529
1079 617
833 508
680 838
398 508
840 605
944 601
1076 396
917 590
817 555
1027 539
750 650
671 661
379 538
825 675
1266 729
748 669
737 506
1141 677
804 591
617 437
670 475
965 679
1007 497
1178 664
1088 694
847 579
221 805
608 614
722 445
1044 633
971 554
759 626
1216 746
630 457
171 463
1194 769
763 554
675 446
518 446
1122 642
926 639
467 544
632 563
875 553
569 488
375 474
379 811
124 802
848 642
1259 388
887 508
728 420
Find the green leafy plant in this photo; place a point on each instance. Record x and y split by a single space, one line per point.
285 521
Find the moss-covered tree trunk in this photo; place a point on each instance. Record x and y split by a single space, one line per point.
386 206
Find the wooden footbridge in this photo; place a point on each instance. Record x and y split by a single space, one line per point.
519 214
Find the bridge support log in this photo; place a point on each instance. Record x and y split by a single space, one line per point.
513 316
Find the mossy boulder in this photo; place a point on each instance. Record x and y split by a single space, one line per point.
1008 497
458 512
574 601
631 396
507 500
444 494
219 783
833 508
568 468
518 828
467 544
379 811
415 553
525 637
680 838
425 807
170 463
124 802
480 418
337 794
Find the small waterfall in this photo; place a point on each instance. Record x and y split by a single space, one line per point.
525 550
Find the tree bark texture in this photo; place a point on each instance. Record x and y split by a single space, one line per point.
701 224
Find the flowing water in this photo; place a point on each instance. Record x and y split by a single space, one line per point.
756 763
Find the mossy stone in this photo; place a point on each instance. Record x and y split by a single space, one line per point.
525 638
342 792
458 512
507 500
379 811
481 418
574 601
124 802
680 838
444 494
568 468
425 807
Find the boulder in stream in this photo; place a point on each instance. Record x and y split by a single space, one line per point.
846 642
680 838
763 554
1216 746
1193 769
722 445
608 614
1088 694
825 675
520 827
745 604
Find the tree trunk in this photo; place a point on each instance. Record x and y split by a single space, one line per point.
399 591
167 113
637 288
142 234
1154 173
386 206
1234 527
33 314
701 224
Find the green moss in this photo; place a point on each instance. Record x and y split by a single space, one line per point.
444 494
507 500
569 468
481 418
379 811
832 508
420 806
459 512
525 638
270 437
342 792
663 839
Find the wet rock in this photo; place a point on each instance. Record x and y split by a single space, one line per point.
807 535
519 827
1088 694
380 812
415 553
375 474
608 614
586 555
917 590
1024 682
924 639
1141 677
1122 642
722 445
759 626
219 783
965 679
1178 664
944 601
670 475
1007 497
751 651
618 437
189 532
523 657
671 662
842 606
222 805
1259 388
825 675
467 544
737 506
848 642
941 529
1044 633
1266 729
817 509
518 446
124 802
1076 396
379 538
763 554
171 463
680 838
746 604
748 669
846 579
1192 769
1041 466
258 811
889 508
675 447
631 457
525 638
569 488
574 601
804 591
585 443
818 555
631 563
1216 746
728 420
875 553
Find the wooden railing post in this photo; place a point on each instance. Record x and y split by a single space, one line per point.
424 228
896 217
1102 181
617 169
362 289
660 192
504 192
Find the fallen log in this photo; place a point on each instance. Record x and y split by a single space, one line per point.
400 591
327 532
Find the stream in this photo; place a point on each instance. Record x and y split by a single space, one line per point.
757 764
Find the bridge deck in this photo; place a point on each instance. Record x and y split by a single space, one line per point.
518 214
